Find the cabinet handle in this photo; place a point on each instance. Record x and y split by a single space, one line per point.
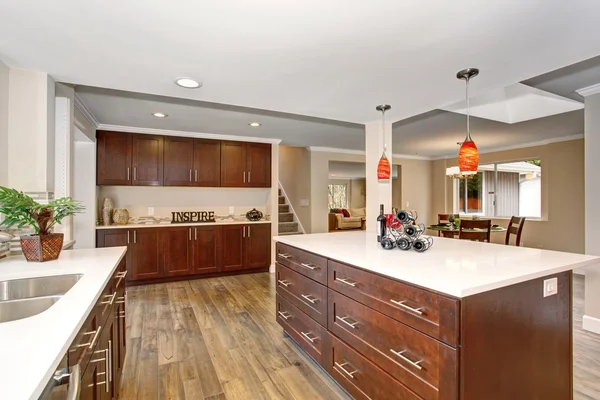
309 266
284 315
109 363
310 298
195 233
135 173
306 335
350 324
248 231
196 175
93 342
244 176
284 283
112 299
120 300
190 233
127 237
341 367
243 231
249 175
283 255
134 237
128 175
190 175
347 282
401 304
414 364
121 315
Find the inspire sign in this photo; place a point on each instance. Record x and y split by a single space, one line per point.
192 216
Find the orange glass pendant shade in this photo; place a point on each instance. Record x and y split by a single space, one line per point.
468 158
383 168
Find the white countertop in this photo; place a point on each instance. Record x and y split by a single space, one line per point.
32 348
459 268
170 225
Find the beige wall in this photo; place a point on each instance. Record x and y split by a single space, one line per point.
294 176
562 224
3 124
416 184
358 193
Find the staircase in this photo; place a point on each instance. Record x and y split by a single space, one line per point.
288 222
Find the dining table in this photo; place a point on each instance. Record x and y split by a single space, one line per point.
450 231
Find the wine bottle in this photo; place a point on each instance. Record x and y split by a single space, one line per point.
381 224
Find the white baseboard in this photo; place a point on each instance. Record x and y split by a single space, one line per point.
272 268
591 324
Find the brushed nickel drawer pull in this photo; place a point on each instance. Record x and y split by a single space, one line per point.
286 256
196 174
120 300
341 366
284 314
306 335
123 274
112 299
401 304
190 175
347 282
414 364
284 283
308 298
309 266
128 175
350 324
93 342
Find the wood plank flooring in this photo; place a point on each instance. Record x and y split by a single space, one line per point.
217 339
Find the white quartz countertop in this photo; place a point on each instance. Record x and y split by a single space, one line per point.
459 268
170 225
32 348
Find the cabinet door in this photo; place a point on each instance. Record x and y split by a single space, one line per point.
145 263
147 160
258 164
232 247
113 162
258 246
105 348
120 344
233 164
207 162
112 237
177 244
206 249
179 161
90 389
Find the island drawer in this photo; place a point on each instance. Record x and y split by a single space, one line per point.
303 262
359 376
307 333
425 365
82 347
430 313
306 294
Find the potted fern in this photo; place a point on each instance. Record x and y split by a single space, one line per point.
20 209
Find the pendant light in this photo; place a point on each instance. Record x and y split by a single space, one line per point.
468 156
384 168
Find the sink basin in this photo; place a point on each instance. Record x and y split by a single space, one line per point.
36 287
13 310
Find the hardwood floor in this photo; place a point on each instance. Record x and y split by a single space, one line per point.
217 339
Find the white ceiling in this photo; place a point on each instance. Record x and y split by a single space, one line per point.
334 59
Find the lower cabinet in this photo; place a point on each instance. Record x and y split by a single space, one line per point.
156 254
99 347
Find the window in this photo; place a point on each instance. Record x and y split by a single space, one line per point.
502 190
338 196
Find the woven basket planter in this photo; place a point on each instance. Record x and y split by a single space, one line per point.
42 247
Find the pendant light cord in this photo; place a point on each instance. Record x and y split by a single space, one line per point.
383 129
468 110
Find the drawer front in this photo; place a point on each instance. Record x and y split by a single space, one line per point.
425 311
307 333
306 294
425 365
359 376
303 262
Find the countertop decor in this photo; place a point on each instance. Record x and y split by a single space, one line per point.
21 210
254 215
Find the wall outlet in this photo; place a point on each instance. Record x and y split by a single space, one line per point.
231 210
303 202
550 287
407 204
150 211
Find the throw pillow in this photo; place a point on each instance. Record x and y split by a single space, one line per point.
346 213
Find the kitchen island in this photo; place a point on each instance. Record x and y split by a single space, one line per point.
464 320
33 348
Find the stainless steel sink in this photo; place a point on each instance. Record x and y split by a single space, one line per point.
13 310
36 287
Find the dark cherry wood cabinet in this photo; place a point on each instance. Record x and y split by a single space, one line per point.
207 163
147 160
179 161
258 164
113 158
206 249
233 164
258 245
232 247
177 248
145 257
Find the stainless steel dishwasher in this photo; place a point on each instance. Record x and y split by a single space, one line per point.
65 384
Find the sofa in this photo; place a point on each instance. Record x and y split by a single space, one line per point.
351 218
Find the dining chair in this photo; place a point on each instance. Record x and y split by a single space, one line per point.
444 218
515 227
482 235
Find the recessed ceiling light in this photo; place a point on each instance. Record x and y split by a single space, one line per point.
255 124
188 83
160 115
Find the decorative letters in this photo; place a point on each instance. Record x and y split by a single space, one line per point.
192 216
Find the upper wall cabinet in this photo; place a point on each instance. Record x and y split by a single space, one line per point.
129 159
148 160
245 164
